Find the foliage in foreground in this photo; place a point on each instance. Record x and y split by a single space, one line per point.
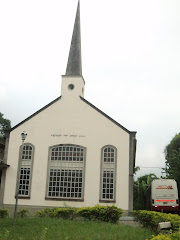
99 213
59 229
170 236
151 219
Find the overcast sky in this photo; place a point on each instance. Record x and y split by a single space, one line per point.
130 62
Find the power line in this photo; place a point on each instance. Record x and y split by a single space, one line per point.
150 167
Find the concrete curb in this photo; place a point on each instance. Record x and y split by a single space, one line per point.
126 218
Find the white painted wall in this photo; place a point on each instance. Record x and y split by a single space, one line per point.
66 117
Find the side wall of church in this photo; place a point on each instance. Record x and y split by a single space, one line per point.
69 121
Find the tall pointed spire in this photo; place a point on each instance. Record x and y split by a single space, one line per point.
74 66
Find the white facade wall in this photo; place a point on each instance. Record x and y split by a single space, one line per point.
69 121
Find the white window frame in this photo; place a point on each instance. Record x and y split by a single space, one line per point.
66 164
26 158
108 168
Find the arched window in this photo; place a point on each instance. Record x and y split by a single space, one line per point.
66 172
26 156
108 173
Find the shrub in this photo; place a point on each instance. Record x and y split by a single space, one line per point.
85 212
23 213
171 236
101 213
66 213
47 212
161 237
4 213
174 219
151 219
39 213
175 235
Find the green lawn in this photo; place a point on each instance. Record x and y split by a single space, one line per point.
59 229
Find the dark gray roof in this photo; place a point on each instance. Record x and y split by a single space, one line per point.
74 65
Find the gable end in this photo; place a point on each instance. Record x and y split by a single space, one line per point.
34 114
105 115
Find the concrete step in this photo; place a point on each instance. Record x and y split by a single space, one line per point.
126 218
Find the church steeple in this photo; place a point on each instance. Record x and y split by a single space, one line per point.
74 66
72 82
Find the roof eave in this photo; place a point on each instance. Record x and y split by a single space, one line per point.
34 114
108 117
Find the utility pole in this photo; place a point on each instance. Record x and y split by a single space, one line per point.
23 137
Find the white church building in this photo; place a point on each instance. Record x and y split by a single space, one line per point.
74 154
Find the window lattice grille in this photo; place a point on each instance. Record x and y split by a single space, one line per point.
25 173
108 174
24 181
108 154
27 152
67 153
66 172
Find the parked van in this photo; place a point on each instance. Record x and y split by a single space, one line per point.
164 196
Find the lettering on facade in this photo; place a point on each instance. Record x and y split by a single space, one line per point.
66 135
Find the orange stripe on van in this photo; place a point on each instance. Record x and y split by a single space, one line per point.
166 200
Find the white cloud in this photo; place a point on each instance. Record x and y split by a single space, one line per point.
130 62
150 159
3 94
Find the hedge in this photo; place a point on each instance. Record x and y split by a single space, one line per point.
170 236
99 213
4 213
47 212
151 219
23 213
66 213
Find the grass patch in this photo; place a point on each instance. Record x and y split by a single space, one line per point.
60 229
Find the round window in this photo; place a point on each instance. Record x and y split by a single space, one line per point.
71 86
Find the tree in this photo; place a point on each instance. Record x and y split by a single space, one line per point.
136 169
172 156
5 124
142 191
174 145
